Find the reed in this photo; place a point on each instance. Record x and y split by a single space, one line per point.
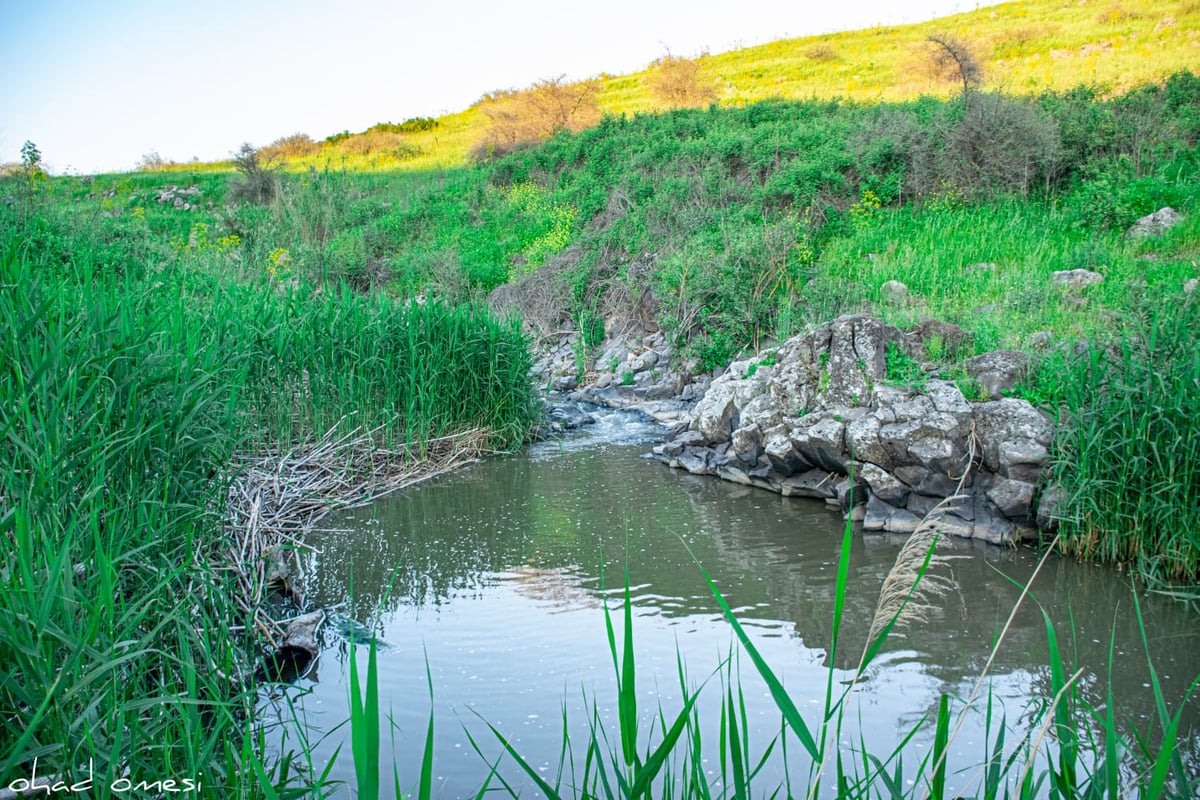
131 398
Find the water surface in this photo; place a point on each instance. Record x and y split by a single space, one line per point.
495 578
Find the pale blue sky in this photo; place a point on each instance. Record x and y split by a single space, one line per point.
97 84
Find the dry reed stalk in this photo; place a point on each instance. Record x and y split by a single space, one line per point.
906 595
911 584
278 497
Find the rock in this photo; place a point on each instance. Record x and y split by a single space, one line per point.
1052 507
951 338
849 491
746 443
714 415
1075 278
857 358
1041 340
884 485
985 267
696 389
947 398
927 482
1013 498
921 505
694 461
1154 224
785 459
955 525
902 521
1006 421
939 454
993 529
822 444
814 483
894 293
998 371
566 383
1190 285
1021 459
733 474
690 438
862 439
878 514
643 362
668 450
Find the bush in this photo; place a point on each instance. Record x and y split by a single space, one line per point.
295 146
519 118
677 82
258 183
988 146
411 125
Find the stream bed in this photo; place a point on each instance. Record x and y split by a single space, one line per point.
491 583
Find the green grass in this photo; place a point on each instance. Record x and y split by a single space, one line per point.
133 369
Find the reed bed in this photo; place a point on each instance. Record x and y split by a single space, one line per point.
138 384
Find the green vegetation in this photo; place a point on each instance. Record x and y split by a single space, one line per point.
1022 48
146 345
157 326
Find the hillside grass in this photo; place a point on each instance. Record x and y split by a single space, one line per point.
1024 48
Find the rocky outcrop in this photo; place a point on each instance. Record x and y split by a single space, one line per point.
629 370
803 418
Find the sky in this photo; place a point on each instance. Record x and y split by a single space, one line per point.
97 85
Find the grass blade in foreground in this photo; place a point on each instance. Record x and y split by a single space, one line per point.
783 701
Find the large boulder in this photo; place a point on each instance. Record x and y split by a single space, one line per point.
1154 224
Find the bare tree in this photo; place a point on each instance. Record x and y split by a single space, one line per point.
955 59
517 118
677 83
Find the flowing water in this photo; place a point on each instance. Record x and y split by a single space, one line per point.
490 583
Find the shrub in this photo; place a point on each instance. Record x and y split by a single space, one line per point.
519 118
411 125
258 183
295 146
677 82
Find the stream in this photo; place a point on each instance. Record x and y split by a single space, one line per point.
490 583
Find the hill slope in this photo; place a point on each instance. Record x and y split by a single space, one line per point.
1023 48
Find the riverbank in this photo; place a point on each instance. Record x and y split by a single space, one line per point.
883 424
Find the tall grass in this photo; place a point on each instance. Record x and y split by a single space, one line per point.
1129 451
126 389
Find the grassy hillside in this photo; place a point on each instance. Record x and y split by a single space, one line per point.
1024 48
733 227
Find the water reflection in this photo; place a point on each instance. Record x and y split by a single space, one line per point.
496 575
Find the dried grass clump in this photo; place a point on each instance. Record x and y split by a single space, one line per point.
279 497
